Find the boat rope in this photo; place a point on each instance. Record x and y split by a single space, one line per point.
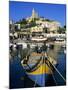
52 73
53 76
57 71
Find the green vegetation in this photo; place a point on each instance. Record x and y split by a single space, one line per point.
62 29
23 21
32 23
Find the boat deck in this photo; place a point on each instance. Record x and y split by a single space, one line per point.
43 66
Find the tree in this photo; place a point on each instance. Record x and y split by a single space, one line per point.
32 23
47 19
62 29
24 21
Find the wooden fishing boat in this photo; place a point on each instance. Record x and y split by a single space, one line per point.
38 70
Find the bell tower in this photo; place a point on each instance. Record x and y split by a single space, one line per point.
34 14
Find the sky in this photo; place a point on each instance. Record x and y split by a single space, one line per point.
19 10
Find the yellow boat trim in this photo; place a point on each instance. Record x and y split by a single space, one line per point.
43 69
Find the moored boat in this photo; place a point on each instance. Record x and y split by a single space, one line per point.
38 70
38 39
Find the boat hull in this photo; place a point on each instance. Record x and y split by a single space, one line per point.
39 79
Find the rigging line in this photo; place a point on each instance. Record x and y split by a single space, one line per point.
53 76
54 79
58 72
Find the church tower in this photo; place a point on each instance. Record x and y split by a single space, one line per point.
34 14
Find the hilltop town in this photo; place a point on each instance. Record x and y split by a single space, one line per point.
35 25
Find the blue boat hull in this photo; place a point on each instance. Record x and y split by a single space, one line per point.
39 79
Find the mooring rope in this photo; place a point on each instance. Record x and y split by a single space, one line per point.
58 71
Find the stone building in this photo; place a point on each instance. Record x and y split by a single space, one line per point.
33 16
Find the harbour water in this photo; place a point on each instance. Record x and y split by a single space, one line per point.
18 77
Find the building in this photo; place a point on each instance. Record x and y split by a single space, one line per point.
17 27
51 26
33 16
37 29
11 26
54 26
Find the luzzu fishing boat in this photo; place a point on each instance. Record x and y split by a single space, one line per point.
38 66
